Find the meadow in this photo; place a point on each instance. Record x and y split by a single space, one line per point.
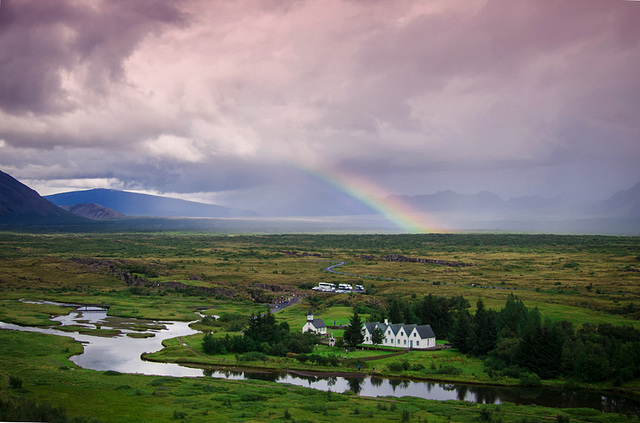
170 276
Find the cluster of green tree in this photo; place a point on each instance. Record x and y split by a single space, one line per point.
516 342
439 312
262 334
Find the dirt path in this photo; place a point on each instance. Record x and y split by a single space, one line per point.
184 344
4 387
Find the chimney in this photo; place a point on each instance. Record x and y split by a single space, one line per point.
386 322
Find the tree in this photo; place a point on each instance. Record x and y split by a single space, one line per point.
353 333
483 334
377 336
396 311
461 331
210 345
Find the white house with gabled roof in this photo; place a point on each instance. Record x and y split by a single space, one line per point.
400 335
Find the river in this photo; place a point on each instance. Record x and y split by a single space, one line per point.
122 353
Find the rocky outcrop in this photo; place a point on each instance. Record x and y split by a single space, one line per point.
401 258
115 267
300 254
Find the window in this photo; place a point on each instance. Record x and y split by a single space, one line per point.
405 342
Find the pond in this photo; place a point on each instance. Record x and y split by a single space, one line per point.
122 353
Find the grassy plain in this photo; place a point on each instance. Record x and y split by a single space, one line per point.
583 279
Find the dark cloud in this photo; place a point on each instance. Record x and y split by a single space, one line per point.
211 97
40 41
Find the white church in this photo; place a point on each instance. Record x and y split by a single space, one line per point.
314 325
400 335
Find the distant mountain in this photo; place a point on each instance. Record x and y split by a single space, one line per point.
19 204
622 203
449 200
93 211
487 202
134 204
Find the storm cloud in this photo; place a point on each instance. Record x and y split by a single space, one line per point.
230 101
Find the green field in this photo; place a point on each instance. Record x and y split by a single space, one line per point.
171 276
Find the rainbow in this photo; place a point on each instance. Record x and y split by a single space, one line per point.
378 199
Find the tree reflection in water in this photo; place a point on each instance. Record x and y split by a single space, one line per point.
461 393
394 383
355 384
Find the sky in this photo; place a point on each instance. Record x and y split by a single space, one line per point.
268 104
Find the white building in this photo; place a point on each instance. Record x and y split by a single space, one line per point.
401 336
314 325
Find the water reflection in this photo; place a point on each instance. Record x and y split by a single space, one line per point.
378 386
355 384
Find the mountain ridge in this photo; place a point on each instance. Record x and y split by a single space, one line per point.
93 211
136 204
20 204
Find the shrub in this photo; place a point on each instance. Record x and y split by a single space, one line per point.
485 414
444 370
15 382
252 397
530 379
252 356
395 366
333 360
514 371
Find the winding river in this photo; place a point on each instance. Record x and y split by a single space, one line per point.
122 354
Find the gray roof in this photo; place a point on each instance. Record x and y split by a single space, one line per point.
424 331
318 323
395 327
372 325
409 328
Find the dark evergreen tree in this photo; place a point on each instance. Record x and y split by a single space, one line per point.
483 333
209 344
461 331
541 350
396 311
353 335
513 316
